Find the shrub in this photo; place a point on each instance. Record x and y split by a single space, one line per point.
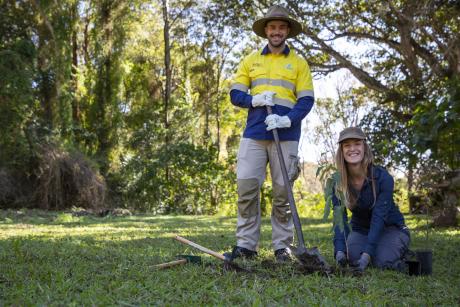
179 178
66 179
8 187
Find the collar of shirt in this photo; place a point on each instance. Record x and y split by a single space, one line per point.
266 50
373 172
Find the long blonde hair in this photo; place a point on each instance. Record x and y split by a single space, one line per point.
344 186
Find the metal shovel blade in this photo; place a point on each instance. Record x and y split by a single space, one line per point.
228 264
310 257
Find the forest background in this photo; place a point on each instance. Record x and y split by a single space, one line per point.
112 103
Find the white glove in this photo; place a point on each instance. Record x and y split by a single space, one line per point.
263 99
275 121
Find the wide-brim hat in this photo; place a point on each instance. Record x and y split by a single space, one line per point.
276 12
351 133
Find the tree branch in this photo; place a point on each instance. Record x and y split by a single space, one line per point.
359 73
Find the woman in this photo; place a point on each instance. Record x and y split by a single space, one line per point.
378 233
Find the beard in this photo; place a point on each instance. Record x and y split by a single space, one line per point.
276 44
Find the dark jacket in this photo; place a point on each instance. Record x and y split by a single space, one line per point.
368 218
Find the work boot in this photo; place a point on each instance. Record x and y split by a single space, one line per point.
283 255
240 252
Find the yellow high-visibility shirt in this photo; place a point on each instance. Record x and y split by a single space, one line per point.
287 75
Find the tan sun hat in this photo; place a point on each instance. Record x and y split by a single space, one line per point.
276 12
351 133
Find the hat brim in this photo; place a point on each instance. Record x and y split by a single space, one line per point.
351 136
259 26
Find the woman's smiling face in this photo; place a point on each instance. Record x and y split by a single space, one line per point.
353 151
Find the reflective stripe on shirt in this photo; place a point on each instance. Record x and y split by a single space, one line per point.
305 93
274 82
286 74
240 87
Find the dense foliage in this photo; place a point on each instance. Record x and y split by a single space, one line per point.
88 78
136 93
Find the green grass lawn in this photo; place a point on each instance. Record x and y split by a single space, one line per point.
57 259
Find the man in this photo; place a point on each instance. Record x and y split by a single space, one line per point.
275 76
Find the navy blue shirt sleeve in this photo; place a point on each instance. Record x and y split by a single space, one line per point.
240 99
380 212
339 235
301 109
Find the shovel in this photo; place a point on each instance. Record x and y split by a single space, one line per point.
228 264
308 257
182 259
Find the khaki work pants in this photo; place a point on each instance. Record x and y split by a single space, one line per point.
253 157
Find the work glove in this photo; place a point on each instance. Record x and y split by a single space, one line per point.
363 262
263 99
275 121
341 258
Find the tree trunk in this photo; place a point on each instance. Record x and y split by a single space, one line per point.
167 87
219 70
74 80
86 39
47 92
410 185
206 134
49 85
104 90
218 128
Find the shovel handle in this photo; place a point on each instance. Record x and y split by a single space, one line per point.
170 264
290 194
199 247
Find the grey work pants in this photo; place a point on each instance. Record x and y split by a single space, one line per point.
253 157
391 247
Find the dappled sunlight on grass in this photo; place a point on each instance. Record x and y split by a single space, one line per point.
319 226
45 259
452 232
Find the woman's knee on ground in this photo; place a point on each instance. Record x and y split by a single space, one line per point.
356 244
391 248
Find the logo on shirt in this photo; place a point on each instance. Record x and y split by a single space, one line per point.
255 66
288 66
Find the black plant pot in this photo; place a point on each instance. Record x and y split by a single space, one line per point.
425 257
414 267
